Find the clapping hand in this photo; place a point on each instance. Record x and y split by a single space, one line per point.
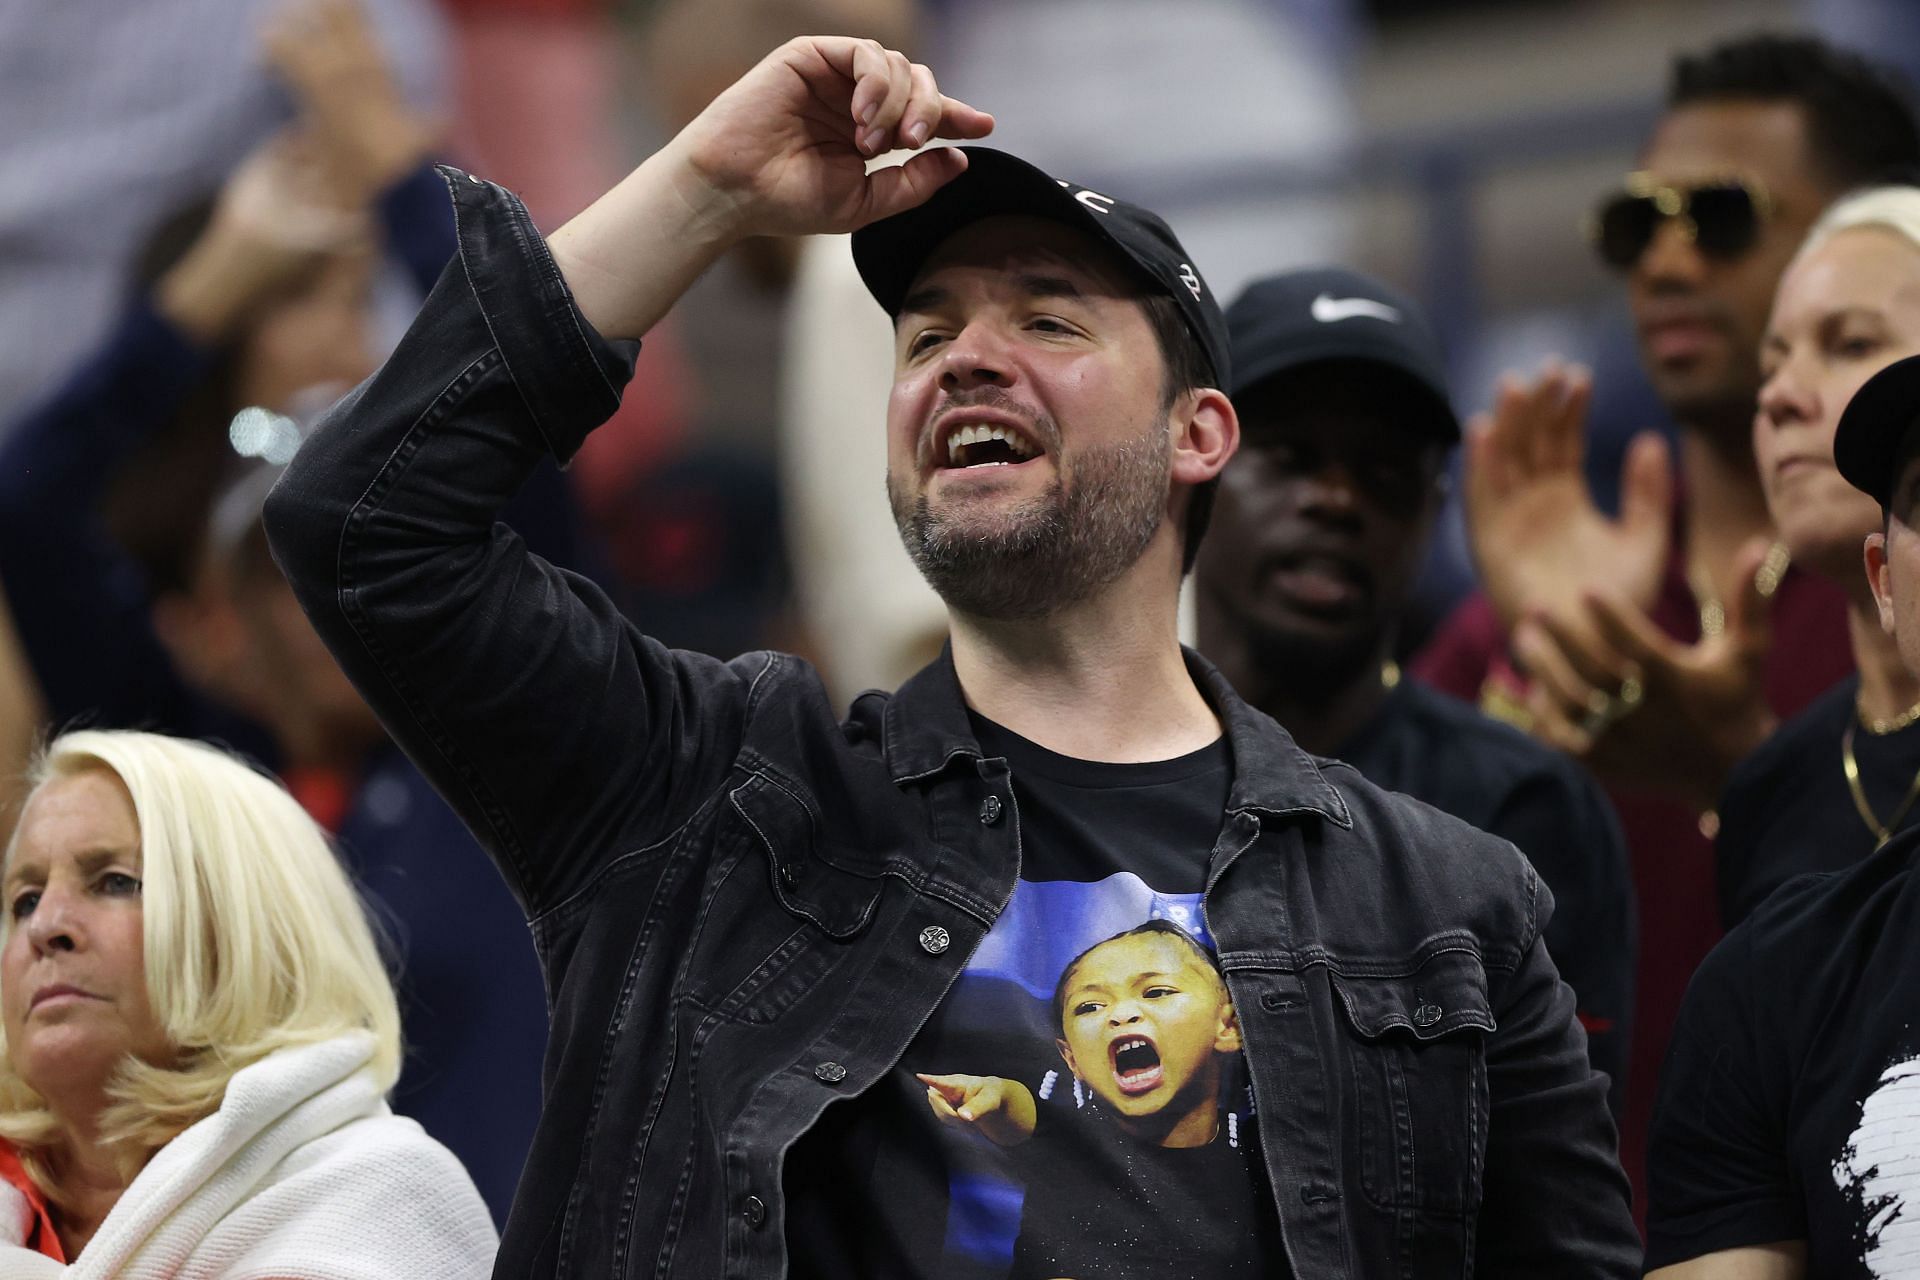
1538 540
278 214
1642 708
349 102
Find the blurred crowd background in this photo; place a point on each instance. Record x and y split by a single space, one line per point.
217 215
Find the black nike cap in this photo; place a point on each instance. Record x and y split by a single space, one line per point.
1872 441
1283 323
891 252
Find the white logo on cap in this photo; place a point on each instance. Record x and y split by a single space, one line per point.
1094 200
1191 279
1328 309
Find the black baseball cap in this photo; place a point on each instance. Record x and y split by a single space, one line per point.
1873 427
891 252
1284 322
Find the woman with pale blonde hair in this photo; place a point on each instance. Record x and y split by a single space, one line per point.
1835 782
199 1036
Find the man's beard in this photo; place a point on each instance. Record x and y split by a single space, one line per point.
1053 551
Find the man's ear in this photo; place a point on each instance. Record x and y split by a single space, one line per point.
1206 432
1066 1055
1880 576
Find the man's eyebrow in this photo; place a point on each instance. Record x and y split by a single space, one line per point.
1050 287
924 299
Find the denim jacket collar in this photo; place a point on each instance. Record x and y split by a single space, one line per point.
926 729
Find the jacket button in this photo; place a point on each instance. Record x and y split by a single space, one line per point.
756 1212
990 810
934 940
830 1073
1426 1015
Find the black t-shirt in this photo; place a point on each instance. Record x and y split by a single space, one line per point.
1490 775
1790 1104
1787 809
1138 1156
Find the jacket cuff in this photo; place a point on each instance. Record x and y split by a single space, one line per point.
568 375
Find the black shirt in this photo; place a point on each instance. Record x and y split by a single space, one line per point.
883 1186
1438 749
1787 809
1790 1104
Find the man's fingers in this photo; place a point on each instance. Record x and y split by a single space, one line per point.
1646 487
881 132
1749 614
1543 658
1629 631
897 188
1565 445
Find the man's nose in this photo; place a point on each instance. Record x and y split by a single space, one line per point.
975 357
1672 258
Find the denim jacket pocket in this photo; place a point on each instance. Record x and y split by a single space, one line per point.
806 880
1417 1065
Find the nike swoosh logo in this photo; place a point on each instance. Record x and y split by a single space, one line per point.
1328 309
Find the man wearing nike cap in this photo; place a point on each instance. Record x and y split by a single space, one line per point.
802 966
1319 530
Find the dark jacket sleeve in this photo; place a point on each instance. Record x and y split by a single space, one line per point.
563 736
1566 827
79 602
1555 1202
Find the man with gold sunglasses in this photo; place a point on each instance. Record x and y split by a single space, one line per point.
1662 643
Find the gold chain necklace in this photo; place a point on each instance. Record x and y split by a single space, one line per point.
1851 767
1880 728
1713 613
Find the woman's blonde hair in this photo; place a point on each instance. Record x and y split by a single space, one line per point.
1895 208
254 939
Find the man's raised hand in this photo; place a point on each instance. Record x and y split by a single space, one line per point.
782 152
1538 540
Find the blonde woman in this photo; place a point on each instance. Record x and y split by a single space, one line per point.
1784 1142
1836 781
199 1036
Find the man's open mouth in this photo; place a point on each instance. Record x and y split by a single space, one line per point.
983 444
1136 1065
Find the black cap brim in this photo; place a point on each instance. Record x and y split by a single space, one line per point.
892 252
1875 423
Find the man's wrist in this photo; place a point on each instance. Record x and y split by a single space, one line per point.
630 254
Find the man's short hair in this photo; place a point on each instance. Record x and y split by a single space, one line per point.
1187 368
1859 113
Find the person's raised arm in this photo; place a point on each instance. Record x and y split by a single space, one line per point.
560 732
781 153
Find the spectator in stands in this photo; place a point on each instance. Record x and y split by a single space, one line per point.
1722 636
1784 1143
199 1038
1837 780
170 614
1319 531
114 113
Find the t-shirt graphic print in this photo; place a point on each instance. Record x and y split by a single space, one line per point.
1077 1106
1880 1170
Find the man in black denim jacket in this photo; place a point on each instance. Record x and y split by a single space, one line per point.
747 907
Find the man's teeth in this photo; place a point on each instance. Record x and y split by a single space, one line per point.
980 433
1125 1045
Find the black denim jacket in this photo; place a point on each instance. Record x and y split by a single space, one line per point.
747 906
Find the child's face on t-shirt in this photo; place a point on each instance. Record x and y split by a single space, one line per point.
1143 1023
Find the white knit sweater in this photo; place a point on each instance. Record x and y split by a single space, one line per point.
303 1174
